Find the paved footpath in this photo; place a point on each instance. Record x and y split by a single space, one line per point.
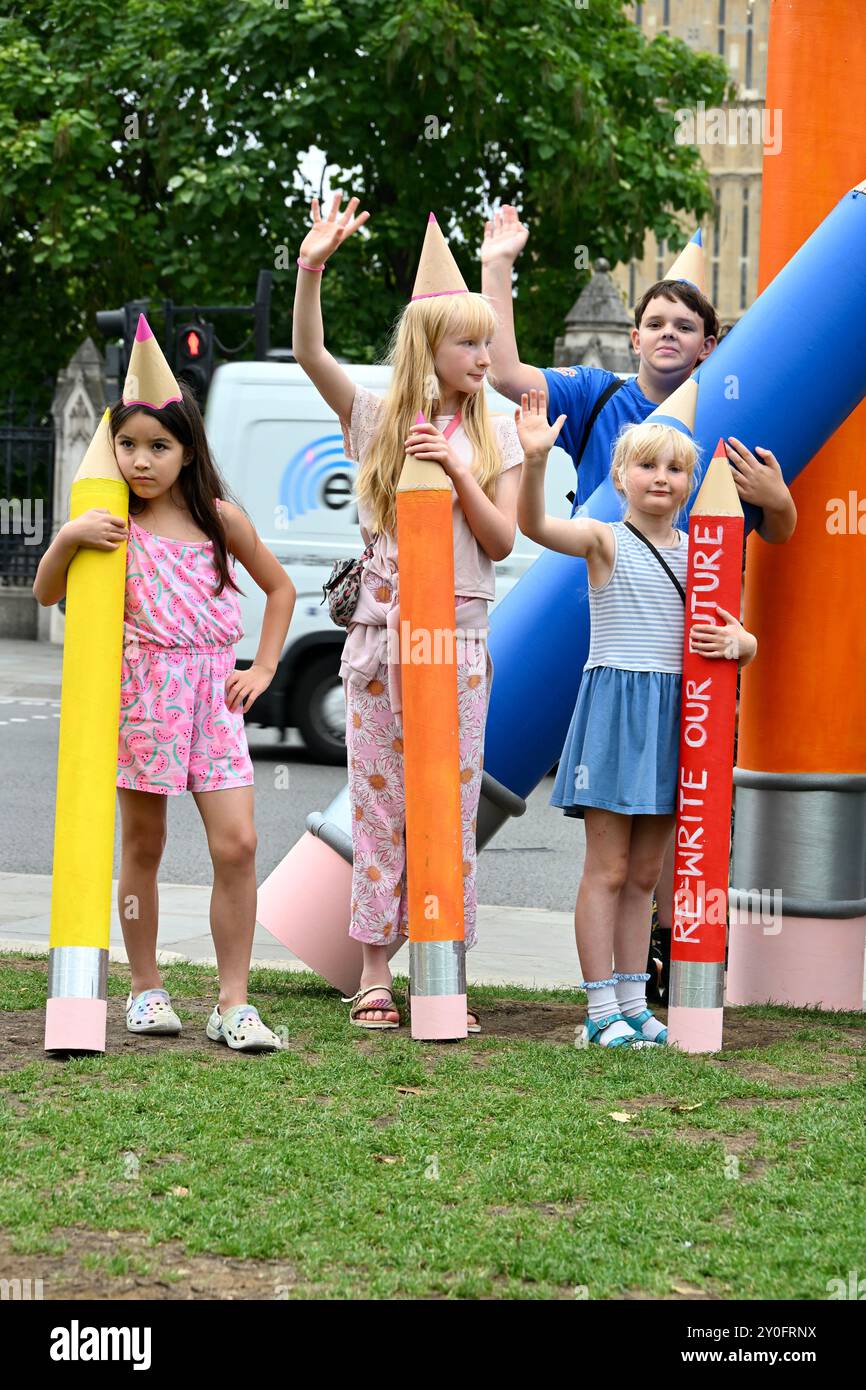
524 946
517 945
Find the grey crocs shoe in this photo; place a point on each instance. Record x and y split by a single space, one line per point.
242 1029
151 1012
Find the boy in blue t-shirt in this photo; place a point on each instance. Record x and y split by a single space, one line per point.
675 328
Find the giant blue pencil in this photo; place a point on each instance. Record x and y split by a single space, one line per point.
786 377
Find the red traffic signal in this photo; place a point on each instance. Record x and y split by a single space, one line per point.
194 356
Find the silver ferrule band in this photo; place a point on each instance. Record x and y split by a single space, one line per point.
798 838
437 967
696 984
77 972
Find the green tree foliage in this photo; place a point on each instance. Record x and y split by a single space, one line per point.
153 148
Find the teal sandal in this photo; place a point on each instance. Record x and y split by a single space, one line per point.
637 1022
592 1031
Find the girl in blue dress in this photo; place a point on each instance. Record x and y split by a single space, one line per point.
619 764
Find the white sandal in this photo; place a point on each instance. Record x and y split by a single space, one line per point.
242 1029
388 1005
151 1012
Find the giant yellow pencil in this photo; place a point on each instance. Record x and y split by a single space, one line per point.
75 1015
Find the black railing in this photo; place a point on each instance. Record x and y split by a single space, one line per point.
26 489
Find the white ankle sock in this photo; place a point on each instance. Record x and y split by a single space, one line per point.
602 1000
631 997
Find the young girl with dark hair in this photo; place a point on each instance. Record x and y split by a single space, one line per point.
182 701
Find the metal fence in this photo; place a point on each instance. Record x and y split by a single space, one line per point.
27 483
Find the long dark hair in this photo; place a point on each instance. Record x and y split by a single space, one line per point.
199 481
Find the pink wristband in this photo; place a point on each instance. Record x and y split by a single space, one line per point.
316 268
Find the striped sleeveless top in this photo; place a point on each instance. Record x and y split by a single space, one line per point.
637 618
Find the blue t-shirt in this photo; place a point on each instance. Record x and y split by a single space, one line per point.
573 391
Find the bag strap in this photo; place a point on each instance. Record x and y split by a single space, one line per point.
609 390
452 425
662 561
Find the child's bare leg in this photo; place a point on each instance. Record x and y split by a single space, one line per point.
665 885
604 872
376 971
143 823
649 841
231 837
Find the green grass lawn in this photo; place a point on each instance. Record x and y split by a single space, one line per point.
365 1165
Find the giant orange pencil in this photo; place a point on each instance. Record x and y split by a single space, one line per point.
706 771
431 751
76 1011
801 775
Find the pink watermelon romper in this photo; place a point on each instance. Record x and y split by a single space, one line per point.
176 732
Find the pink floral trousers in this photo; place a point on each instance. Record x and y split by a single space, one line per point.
374 740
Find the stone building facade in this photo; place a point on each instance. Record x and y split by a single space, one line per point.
597 327
731 140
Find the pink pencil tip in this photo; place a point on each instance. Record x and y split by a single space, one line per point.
432 217
144 330
419 418
721 452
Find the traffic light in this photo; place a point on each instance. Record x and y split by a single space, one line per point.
193 357
119 325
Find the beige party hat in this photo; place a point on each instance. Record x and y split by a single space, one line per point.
149 380
438 272
689 264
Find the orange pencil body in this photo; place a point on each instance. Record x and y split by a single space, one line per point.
430 721
800 823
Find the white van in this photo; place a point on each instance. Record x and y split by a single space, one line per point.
280 450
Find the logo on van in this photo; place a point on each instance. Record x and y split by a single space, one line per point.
319 475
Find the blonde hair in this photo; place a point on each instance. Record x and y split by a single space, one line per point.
643 443
420 329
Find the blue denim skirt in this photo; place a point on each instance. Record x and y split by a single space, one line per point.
622 748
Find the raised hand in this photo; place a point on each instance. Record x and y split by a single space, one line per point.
327 233
533 431
504 237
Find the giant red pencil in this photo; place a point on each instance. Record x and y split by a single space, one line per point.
705 776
